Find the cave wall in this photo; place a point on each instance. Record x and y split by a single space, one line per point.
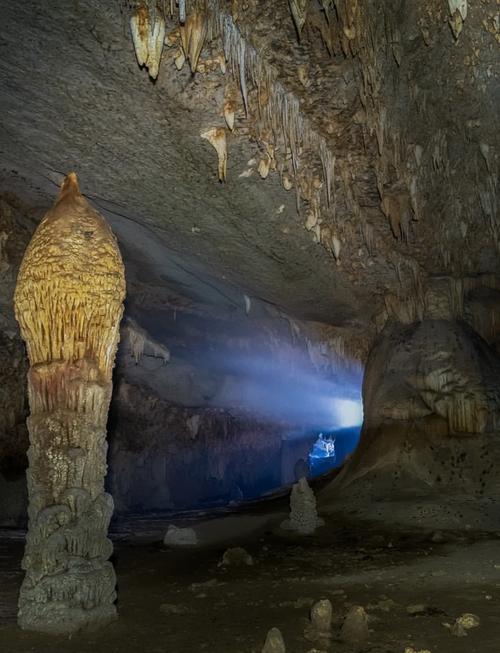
17 222
429 447
167 456
182 430
361 192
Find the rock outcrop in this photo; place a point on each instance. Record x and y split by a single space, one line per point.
431 415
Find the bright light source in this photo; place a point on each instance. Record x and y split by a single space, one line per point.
323 448
347 412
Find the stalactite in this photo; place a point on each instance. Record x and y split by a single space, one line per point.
148 35
458 14
182 11
217 138
298 9
69 302
230 105
139 343
278 110
193 33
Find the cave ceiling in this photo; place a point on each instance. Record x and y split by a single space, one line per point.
405 108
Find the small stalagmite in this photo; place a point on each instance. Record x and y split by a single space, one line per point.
303 516
69 303
274 642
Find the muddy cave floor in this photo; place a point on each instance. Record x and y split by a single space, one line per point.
182 601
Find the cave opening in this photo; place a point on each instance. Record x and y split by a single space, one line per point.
251 437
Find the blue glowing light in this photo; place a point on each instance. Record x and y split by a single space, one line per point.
323 447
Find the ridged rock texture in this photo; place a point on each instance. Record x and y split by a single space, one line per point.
69 303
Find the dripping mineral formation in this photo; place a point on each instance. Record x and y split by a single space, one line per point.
69 303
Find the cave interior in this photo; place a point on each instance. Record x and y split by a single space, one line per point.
249 326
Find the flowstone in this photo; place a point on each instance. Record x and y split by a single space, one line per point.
69 302
303 517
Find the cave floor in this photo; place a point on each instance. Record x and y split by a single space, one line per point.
182 601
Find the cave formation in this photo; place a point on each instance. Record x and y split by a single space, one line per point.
69 303
304 194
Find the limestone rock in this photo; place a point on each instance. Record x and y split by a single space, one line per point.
463 623
417 609
180 536
355 626
274 642
236 557
303 514
321 615
319 628
468 621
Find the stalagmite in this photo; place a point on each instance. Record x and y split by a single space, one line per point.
68 302
355 627
274 642
320 625
303 514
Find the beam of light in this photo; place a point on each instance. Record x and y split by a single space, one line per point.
347 412
271 389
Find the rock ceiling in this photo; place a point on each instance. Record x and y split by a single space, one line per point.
362 165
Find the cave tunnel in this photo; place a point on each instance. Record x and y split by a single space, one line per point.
249 326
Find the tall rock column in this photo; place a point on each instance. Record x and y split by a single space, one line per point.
69 303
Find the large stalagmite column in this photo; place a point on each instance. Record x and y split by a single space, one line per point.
69 302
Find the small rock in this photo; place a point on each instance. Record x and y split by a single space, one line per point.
321 616
171 608
236 557
463 623
438 537
319 628
337 592
386 605
180 536
355 626
408 649
418 609
194 587
468 620
458 630
274 642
